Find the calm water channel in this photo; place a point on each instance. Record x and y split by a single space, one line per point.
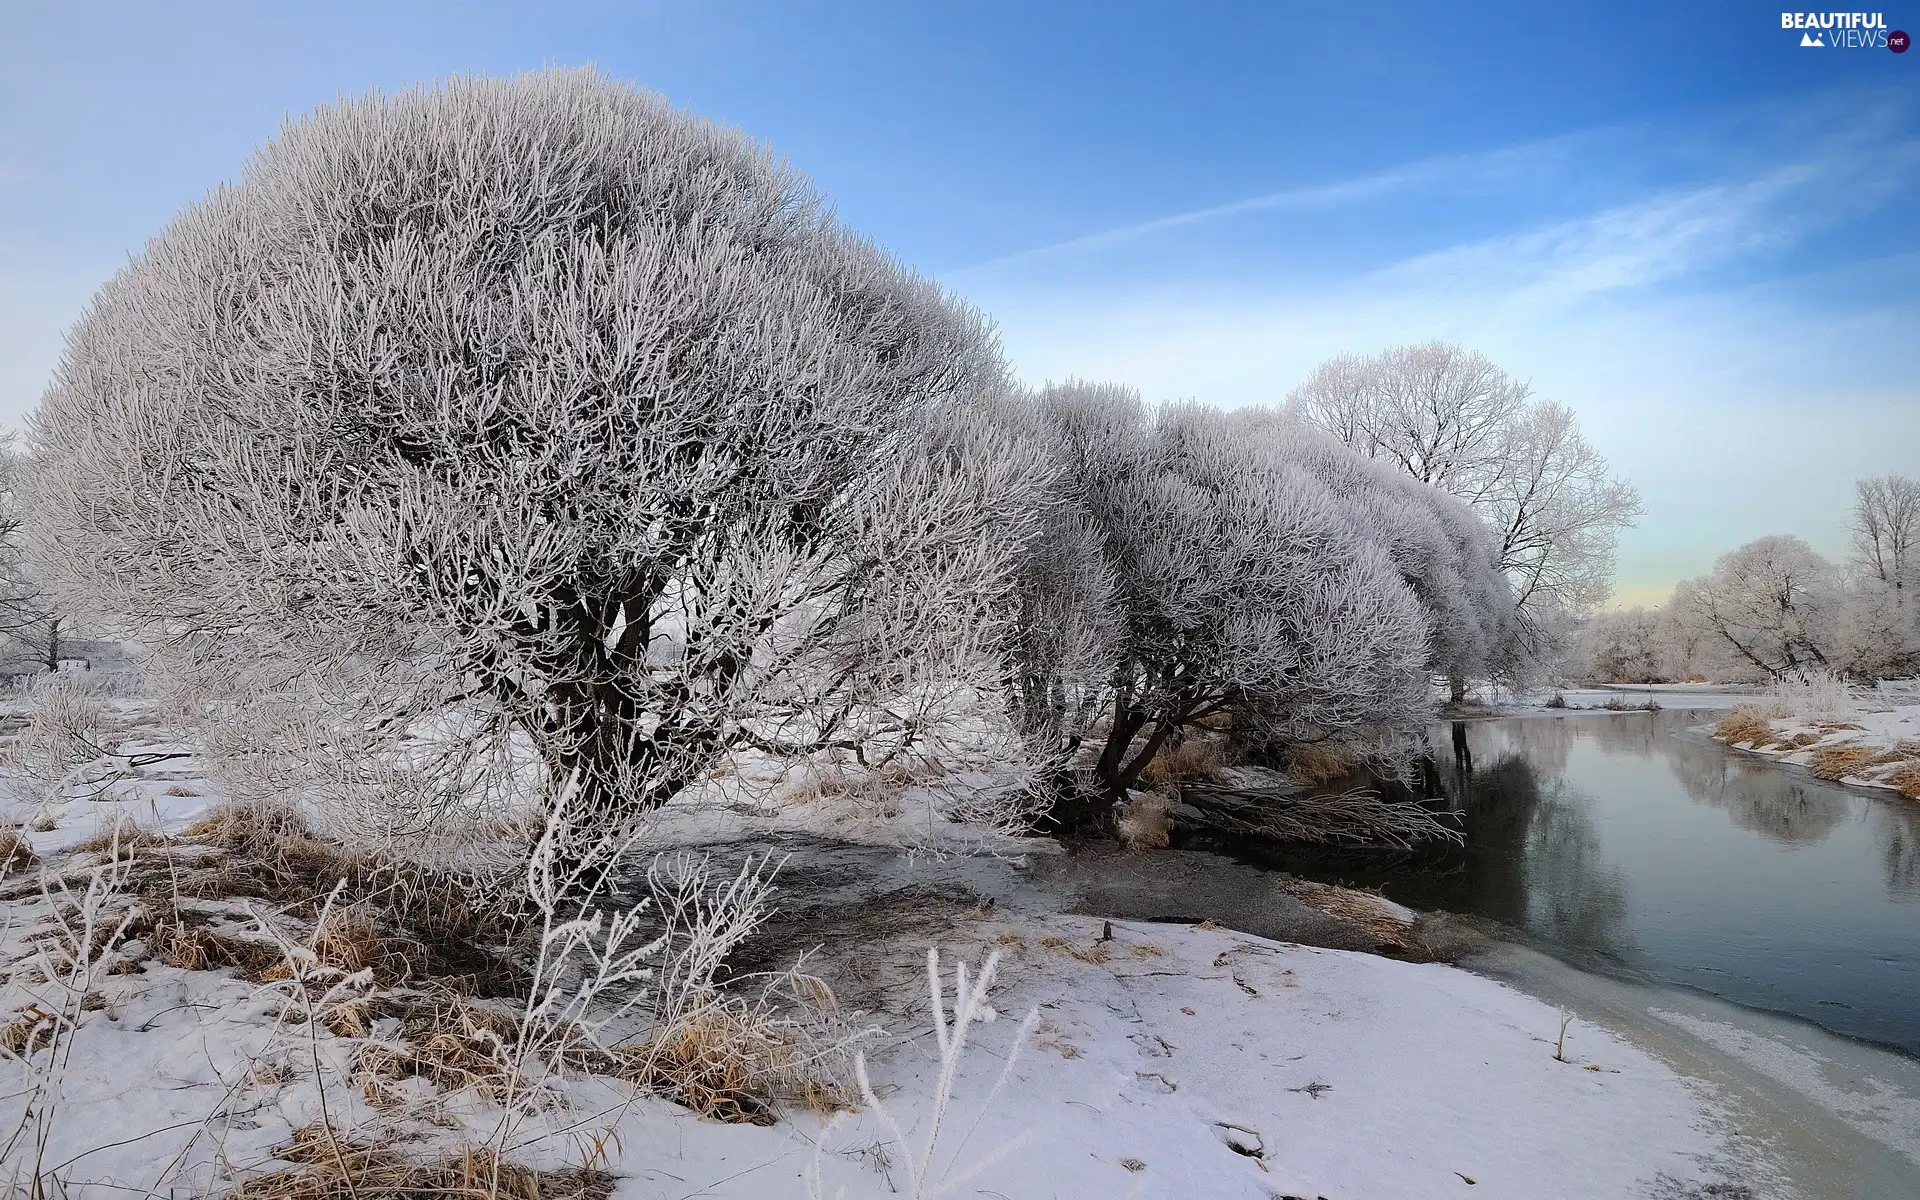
1631 845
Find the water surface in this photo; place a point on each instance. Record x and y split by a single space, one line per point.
1632 845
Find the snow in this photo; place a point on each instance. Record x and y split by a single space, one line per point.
1170 1061
1156 1053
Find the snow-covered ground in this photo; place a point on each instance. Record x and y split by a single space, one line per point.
1169 1060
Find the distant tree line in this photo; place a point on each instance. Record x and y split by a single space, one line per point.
1774 608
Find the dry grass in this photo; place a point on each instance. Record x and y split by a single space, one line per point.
1143 826
1097 954
122 831
1744 724
1315 764
31 1029
179 940
15 852
1195 758
721 1066
330 1167
1838 762
454 1043
1906 778
400 919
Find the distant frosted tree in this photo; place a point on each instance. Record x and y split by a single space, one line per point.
536 413
1886 530
1690 649
1625 646
1236 581
1450 418
1771 604
1880 632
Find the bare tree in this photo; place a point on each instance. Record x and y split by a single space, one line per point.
1881 632
532 419
1886 530
32 626
1770 603
1450 418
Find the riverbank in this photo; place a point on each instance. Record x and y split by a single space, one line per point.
1204 1028
1860 743
1167 1059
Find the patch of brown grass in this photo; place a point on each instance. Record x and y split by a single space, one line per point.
330 1167
402 920
1838 762
455 1044
178 790
1906 779
1195 758
1744 724
1315 764
31 1029
16 853
123 832
183 941
1143 826
727 1067
1097 954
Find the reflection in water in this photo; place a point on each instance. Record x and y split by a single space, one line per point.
1534 860
1896 828
1757 795
1631 842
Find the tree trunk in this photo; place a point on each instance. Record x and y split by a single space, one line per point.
1457 689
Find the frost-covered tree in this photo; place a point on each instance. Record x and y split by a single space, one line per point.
32 627
1625 646
534 420
1770 604
1689 647
1442 550
1880 627
1239 583
1450 418
1886 531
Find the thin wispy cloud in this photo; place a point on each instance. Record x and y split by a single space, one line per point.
1447 172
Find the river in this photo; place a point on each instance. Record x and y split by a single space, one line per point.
1633 846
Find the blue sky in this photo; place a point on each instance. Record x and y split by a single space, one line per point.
1674 218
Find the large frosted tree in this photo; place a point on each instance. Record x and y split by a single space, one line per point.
533 417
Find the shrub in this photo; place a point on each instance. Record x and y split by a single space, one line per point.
1143 824
1744 724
